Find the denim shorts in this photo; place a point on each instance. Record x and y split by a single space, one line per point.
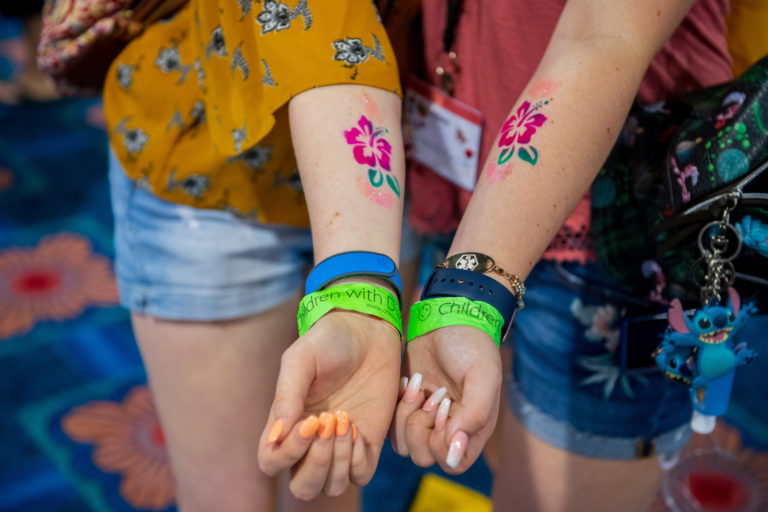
183 263
567 386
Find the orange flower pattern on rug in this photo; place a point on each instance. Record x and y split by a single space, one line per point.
57 280
6 179
727 441
128 440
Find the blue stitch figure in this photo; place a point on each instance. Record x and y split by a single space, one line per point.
700 353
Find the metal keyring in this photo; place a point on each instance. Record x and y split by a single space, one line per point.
720 224
729 271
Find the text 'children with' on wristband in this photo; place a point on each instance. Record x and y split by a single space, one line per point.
360 297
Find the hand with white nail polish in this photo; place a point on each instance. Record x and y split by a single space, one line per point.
336 393
449 414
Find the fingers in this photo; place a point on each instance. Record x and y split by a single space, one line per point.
364 459
309 476
277 456
420 425
326 447
294 379
402 388
479 404
457 449
441 417
297 370
338 474
472 423
434 400
411 401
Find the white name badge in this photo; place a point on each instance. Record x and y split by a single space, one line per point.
443 133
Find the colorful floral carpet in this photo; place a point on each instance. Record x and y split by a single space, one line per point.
77 427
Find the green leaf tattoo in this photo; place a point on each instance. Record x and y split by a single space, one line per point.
506 154
526 157
393 184
373 174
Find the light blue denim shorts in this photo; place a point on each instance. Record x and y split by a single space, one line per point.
183 263
567 386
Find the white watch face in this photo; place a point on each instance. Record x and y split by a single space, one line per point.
467 262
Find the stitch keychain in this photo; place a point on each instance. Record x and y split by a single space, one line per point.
699 351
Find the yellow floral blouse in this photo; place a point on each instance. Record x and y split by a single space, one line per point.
197 106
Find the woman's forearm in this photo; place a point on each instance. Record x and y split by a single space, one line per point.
562 128
348 146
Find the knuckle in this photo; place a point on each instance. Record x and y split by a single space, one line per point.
401 449
337 488
316 463
362 478
301 492
423 460
267 468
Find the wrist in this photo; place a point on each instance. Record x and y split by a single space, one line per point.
483 264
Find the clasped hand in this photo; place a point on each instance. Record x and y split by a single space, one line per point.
349 362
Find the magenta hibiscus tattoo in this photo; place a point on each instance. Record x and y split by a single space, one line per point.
371 149
517 131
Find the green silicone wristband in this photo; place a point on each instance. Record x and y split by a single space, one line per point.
360 297
430 314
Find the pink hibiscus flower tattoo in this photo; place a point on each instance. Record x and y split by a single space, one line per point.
370 147
518 130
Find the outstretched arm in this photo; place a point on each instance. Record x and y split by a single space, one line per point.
349 152
549 150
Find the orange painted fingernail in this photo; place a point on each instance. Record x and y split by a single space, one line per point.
275 431
342 423
327 425
354 433
309 427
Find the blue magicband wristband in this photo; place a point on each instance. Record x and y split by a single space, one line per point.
452 282
354 263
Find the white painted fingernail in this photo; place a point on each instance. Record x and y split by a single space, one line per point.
457 449
412 391
403 383
442 414
434 399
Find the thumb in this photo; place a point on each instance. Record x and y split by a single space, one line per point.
479 403
297 371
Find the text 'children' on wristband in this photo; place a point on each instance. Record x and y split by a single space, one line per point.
430 314
359 297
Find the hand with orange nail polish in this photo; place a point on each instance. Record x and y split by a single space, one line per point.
450 405
342 374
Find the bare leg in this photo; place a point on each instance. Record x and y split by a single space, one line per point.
213 383
535 476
